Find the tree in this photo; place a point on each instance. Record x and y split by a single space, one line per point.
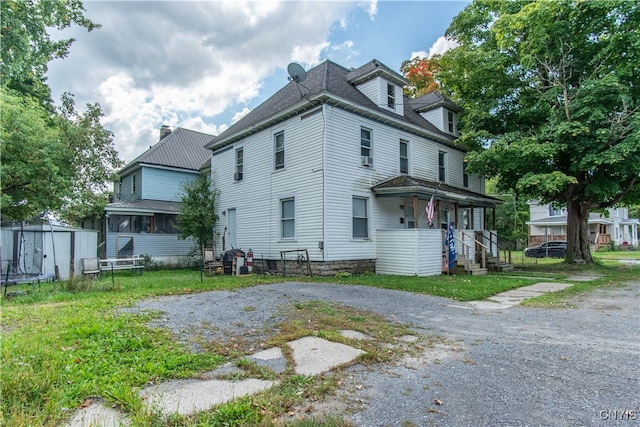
196 217
550 91
33 173
420 72
27 47
93 159
510 216
53 159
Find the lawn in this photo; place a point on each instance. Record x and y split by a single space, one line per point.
61 347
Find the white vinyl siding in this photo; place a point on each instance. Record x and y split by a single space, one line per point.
258 203
377 90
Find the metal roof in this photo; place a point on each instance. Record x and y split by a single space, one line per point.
144 206
182 149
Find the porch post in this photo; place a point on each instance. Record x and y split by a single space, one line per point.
415 211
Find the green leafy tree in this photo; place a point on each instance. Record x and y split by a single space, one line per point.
53 159
196 217
27 46
550 91
93 159
511 216
34 172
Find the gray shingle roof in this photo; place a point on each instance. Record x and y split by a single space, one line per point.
408 185
331 79
182 149
432 100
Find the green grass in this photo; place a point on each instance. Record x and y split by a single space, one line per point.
67 343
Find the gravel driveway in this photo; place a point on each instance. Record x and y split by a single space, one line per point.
576 366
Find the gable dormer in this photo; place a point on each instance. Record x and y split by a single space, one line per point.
380 84
439 110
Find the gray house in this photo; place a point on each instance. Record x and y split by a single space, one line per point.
146 199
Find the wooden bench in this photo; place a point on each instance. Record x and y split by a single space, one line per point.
135 263
95 266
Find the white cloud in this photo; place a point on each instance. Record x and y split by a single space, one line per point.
441 45
240 114
418 54
373 9
188 64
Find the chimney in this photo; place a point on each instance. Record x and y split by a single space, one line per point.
164 131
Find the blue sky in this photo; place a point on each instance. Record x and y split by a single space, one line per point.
202 65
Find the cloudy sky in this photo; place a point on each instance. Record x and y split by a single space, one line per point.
202 65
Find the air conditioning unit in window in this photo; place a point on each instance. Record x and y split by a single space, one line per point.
367 161
237 176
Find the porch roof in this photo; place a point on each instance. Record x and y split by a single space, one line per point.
408 186
143 207
562 220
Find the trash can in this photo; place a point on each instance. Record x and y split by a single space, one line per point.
227 259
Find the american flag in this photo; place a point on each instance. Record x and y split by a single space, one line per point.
429 210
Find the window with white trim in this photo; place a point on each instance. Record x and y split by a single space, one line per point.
451 125
404 156
391 96
360 218
287 218
442 166
133 184
239 164
365 141
278 139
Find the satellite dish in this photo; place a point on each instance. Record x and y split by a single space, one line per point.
296 72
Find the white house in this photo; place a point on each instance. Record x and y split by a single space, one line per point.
549 223
341 166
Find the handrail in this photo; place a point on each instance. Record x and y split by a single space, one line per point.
506 250
483 259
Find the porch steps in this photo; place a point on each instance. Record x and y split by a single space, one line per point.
473 269
496 264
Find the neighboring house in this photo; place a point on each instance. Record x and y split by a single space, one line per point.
341 166
146 199
549 223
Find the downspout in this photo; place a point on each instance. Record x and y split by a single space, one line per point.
324 187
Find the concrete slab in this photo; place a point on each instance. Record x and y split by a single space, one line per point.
189 397
354 335
268 354
271 358
99 415
314 356
547 287
488 305
583 277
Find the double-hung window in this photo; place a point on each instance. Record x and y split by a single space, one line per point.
287 218
391 96
133 184
239 164
279 150
442 166
404 156
365 142
360 218
450 122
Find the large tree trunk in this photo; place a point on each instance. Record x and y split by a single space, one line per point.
578 248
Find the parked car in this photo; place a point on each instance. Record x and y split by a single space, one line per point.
553 249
